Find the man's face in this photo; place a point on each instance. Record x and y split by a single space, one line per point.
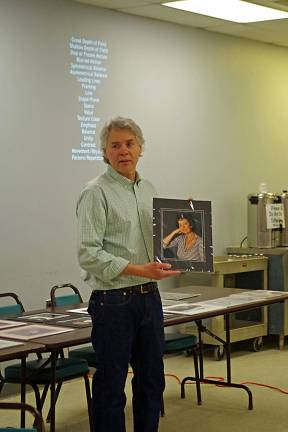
123 151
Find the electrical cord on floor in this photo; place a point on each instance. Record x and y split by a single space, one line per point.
267 386
244 383
222 379
173 376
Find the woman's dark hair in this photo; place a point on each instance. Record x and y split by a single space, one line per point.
186 216
193 219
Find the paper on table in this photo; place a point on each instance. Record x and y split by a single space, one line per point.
250 296
6 324
9 344
42 317
79 310
241 298
232 300
267 293
76 322
33 331
176 296
228 301
191 309
168 302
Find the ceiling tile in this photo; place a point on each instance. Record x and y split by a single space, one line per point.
114 4
242 31
279 26
276 4
275 32
172 15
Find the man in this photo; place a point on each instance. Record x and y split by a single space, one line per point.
115 251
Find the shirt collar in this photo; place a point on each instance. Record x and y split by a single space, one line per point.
121 179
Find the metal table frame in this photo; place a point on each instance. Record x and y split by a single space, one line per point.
21 352
55 343
208 293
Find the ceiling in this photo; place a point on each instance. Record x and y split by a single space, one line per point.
273 32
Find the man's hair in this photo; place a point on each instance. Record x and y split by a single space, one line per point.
120 123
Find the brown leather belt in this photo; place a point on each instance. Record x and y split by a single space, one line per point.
141 289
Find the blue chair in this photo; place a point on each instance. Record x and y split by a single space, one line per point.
177 342
39 372
70 300
65 299
15 309
38 425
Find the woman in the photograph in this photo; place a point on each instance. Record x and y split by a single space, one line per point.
188 244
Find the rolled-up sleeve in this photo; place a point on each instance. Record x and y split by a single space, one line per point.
91 221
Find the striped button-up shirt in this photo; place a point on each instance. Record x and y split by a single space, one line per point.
114 229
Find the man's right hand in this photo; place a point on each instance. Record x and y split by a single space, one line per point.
160 271
154 270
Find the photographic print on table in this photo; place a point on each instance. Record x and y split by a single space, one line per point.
182 234
42 317
32 331
76 322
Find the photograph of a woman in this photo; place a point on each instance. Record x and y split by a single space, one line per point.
182 234
187 244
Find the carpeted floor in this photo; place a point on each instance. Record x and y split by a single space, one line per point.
222 409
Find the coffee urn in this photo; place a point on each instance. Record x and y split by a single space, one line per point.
258 234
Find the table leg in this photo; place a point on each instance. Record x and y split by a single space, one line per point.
23 389
200 353
226 343
281 341
228 347
52 391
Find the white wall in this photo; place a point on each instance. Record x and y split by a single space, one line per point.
213 109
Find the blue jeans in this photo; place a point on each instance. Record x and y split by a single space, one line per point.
127 328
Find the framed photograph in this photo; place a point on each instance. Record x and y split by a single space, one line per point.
7 323
32 331
182 234
42 317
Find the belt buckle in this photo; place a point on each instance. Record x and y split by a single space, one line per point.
144 290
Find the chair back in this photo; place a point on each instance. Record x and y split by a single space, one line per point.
38 422
66 299
14 306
